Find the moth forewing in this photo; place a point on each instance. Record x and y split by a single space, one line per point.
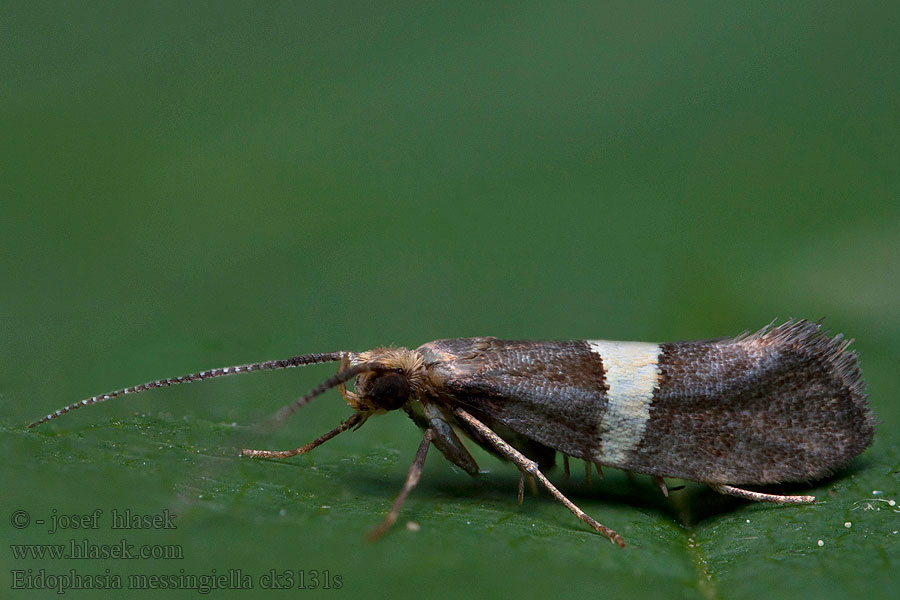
783 405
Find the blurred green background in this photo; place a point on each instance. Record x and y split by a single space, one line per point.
195 185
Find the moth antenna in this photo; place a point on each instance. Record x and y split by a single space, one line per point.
341 377
287 363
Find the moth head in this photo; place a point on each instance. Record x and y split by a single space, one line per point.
392 377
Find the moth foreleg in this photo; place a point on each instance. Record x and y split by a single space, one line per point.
356 418
730 490
412 478
529 467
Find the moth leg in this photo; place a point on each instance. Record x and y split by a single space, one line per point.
662 486
445 440
587 470
566 464
730 490
354 419
531 468
412 478
531 485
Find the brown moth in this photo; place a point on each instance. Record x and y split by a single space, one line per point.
786 404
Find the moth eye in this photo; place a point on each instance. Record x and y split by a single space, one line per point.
390 391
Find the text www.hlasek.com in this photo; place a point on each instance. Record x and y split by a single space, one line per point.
85 550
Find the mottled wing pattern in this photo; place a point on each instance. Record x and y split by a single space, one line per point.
786 404
550 392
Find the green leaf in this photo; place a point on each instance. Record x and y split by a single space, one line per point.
187 186
309 513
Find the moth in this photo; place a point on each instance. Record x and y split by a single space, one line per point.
785 404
